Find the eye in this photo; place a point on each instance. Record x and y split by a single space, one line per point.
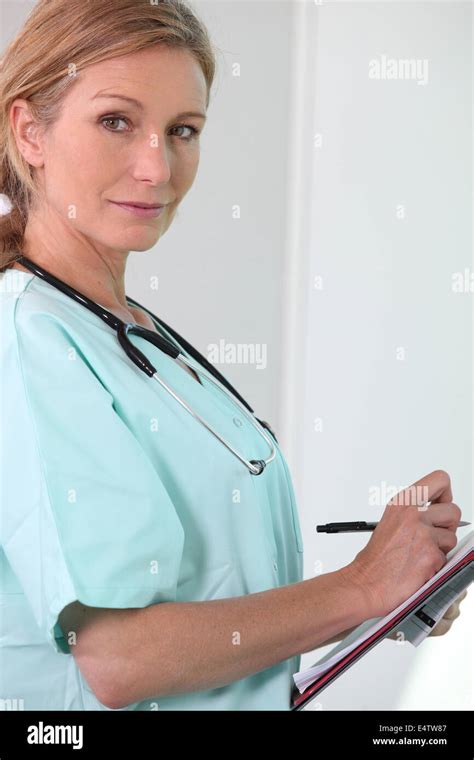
194 132
113 117
118 117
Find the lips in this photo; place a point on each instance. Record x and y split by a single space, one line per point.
145 212
139 205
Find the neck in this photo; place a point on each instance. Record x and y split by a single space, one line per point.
95 271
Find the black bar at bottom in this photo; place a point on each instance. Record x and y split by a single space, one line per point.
410 734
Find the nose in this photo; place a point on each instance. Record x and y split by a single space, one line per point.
152 162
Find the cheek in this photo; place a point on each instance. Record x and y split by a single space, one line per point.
76 187
193 164
183 166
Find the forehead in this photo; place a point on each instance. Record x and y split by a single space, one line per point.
156 74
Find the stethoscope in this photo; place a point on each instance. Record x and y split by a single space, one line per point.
255 466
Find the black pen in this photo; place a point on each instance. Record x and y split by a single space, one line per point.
355 527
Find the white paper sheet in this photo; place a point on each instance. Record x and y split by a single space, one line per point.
304 678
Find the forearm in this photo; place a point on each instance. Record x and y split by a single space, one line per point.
176 647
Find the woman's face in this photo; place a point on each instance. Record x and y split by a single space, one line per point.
104 150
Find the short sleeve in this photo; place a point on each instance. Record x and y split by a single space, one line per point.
85 515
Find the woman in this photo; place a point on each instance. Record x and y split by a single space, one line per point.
142 565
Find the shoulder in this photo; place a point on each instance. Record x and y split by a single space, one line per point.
27 302
46 338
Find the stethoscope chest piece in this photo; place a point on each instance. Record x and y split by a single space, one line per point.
260 464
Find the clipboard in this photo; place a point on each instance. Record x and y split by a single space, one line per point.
299 700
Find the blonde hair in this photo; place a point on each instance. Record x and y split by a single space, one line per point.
36 66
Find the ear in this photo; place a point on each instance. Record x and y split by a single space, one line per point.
26 132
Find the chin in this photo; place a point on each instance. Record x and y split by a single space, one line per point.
138 242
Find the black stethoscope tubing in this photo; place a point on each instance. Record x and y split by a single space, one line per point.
123 330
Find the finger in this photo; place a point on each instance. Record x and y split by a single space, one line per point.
442 515
441 627
452 612
454 608
440 487
446 539
435 487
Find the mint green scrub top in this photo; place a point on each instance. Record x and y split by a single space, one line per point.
114 495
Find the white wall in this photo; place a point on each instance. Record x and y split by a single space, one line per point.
386 287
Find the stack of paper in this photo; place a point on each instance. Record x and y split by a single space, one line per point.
416 624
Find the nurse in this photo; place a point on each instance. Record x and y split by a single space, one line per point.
142 566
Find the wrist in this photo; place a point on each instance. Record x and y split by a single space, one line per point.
360 589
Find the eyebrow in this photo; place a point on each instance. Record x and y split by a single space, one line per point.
182 115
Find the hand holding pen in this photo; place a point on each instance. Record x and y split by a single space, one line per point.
409 546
